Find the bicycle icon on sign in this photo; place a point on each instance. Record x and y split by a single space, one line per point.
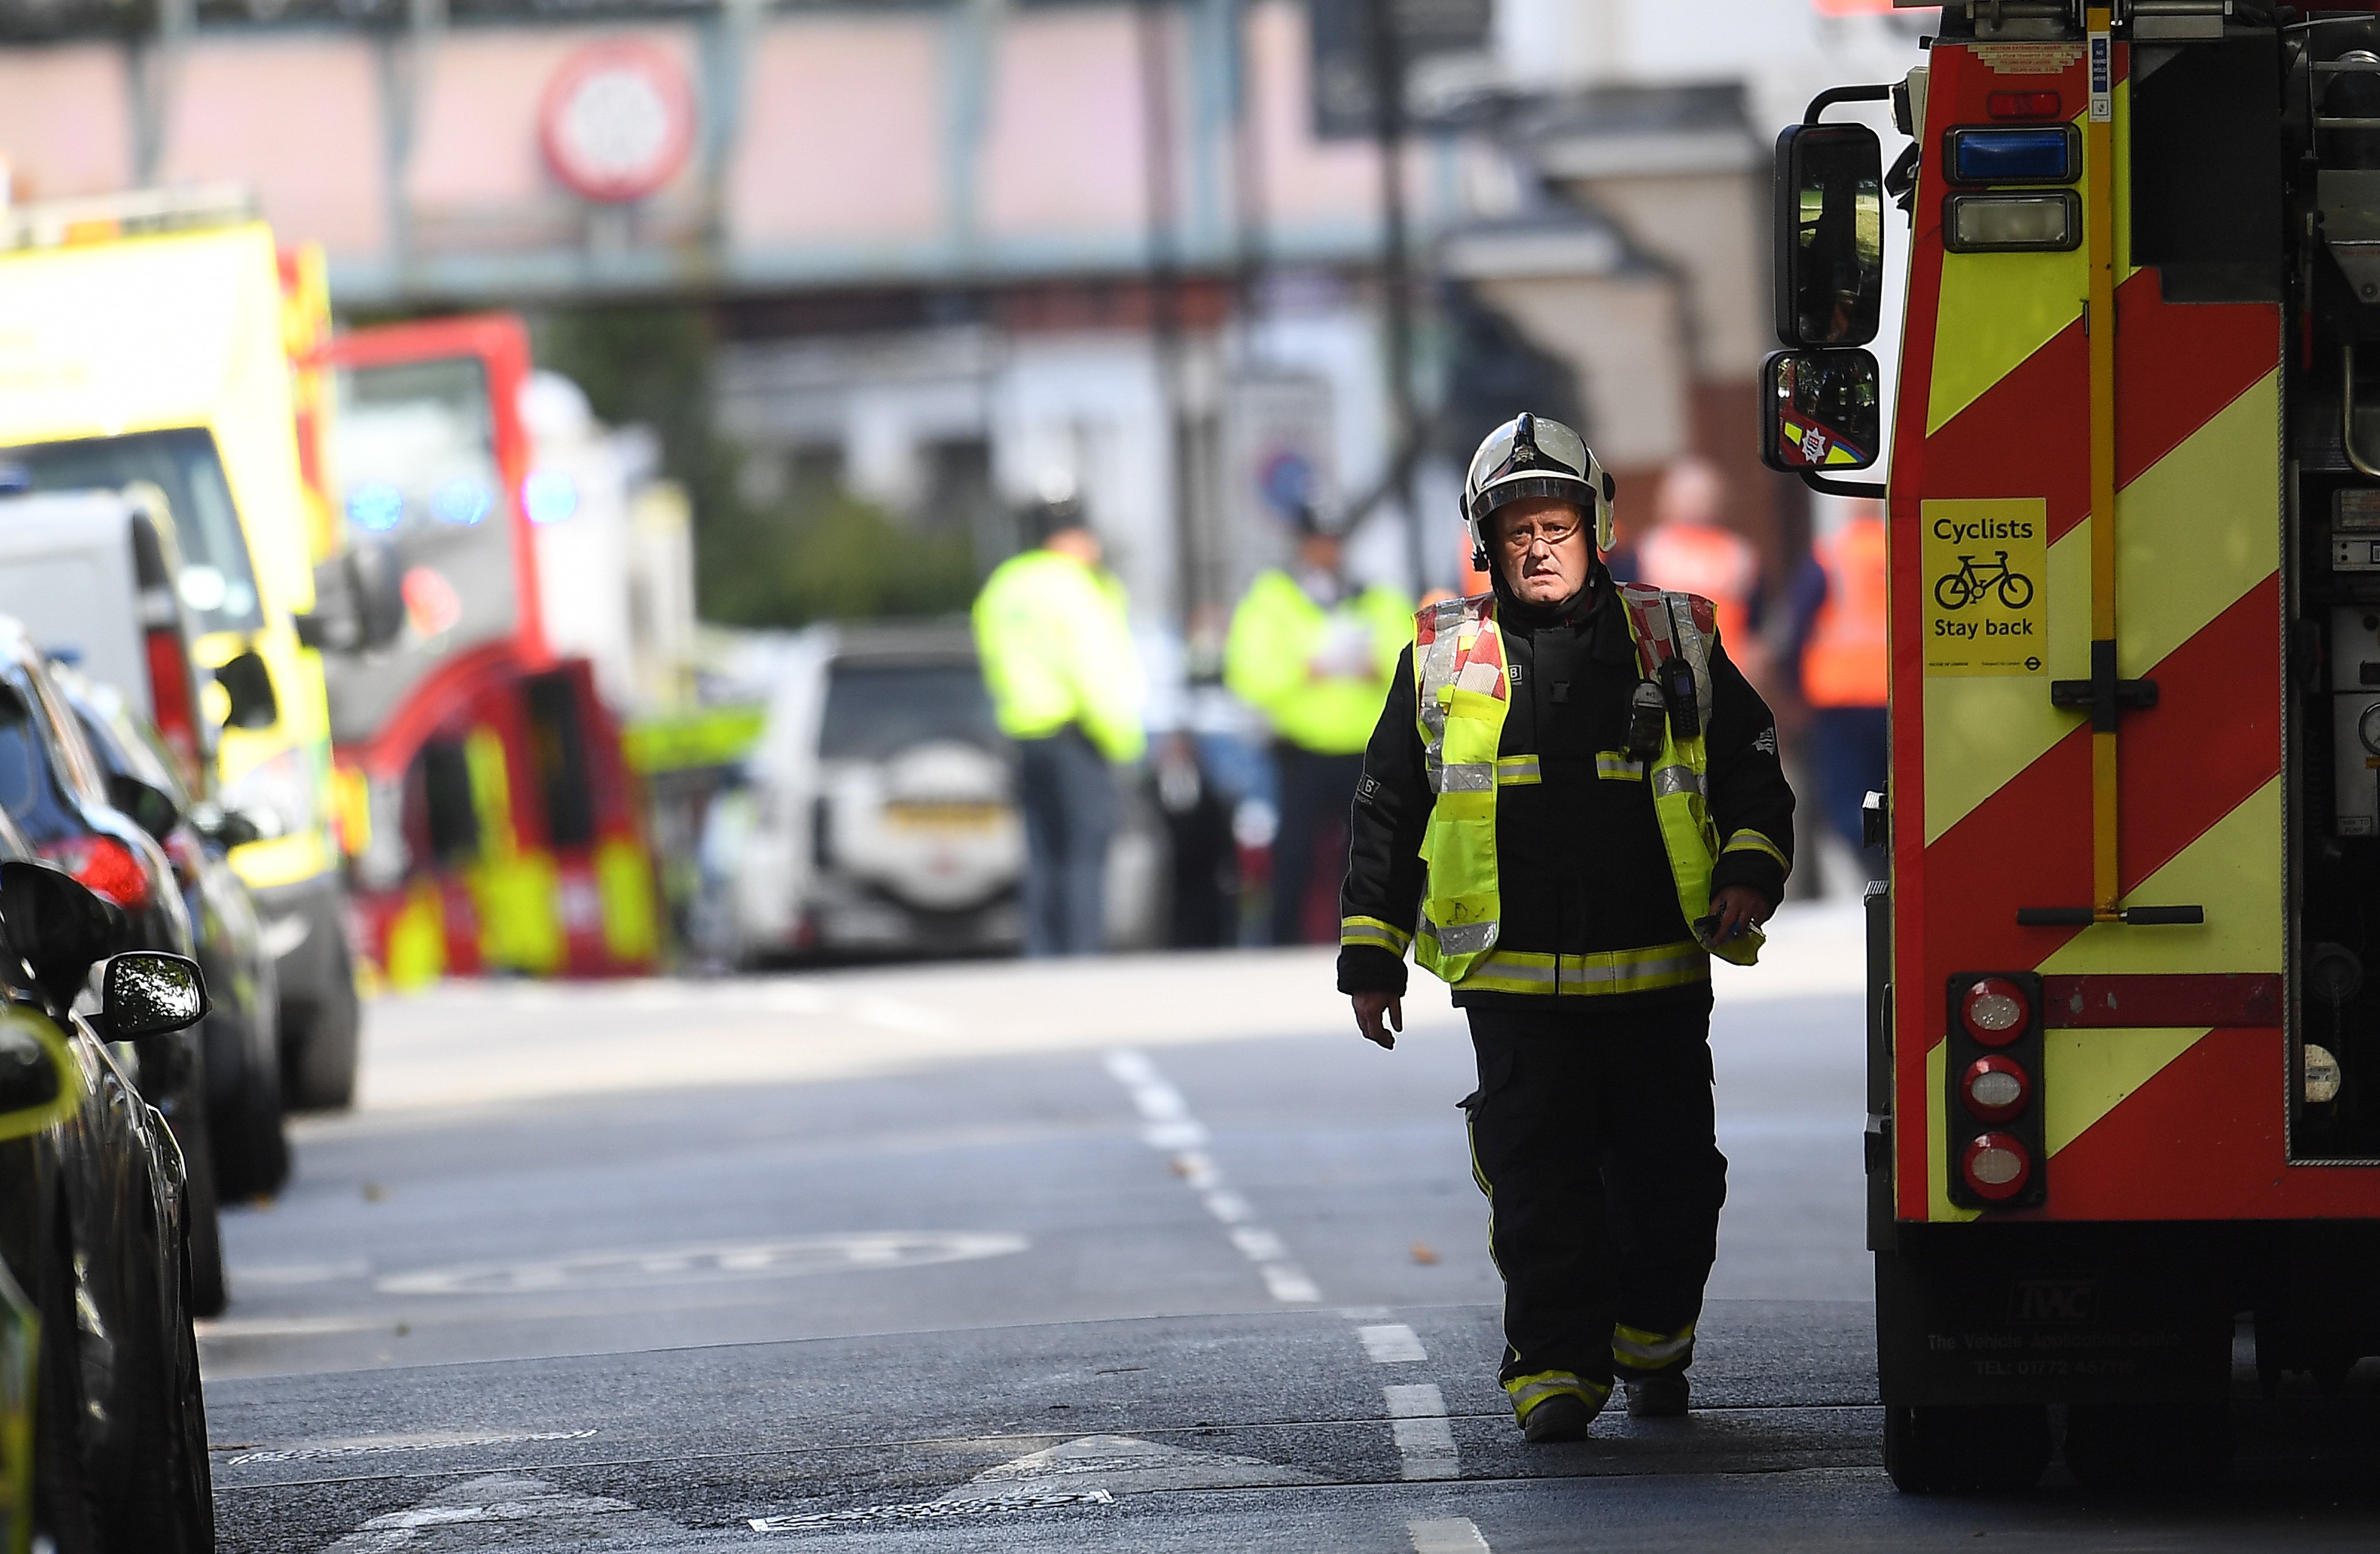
1956 590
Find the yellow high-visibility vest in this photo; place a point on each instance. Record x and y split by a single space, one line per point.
1057 650
1276 633
1463 685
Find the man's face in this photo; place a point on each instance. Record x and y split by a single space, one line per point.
1320 552
1543 548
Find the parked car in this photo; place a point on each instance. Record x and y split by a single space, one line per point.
879 813
119 578
100 1386
55 791
239 1036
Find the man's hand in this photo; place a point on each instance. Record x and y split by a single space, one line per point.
1379 1015
1737 907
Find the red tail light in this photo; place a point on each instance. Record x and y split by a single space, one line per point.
1995 1087
1995 1012
169 693
1995 1165
103 866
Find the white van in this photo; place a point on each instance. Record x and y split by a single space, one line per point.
879 812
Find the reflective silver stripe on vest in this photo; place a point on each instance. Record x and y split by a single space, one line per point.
1466 777
1672 780
1618 765
1689 646
1463 939
1691 958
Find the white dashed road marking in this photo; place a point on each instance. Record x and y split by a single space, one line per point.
1166 1124
1451 1535
1391 1343
1417 1414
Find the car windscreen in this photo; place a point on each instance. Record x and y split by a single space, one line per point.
217 582
414 460
876 710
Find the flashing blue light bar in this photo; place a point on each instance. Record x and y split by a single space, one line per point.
460 502
375 506
2041 154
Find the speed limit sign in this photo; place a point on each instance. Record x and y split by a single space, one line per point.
617 121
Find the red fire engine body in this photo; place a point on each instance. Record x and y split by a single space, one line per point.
2125 1059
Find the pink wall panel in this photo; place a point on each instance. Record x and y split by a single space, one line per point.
844 126
1061 151
297 119
66 121
476 129
1305 181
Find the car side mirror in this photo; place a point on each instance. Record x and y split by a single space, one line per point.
55 926
248 684
40 1082
1829 234
1820 411
227 827
148 992
149 808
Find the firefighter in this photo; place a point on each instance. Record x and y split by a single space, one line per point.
1839 637
1065 684
1596 793
1313 654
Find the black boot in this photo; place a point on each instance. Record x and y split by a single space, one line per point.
1564 1416
1658 1397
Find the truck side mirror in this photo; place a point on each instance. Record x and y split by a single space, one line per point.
248 684
1820 411
376 590
359 598
1829 234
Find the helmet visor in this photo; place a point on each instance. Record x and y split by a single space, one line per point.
1552 449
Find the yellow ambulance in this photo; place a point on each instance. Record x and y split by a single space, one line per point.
141 339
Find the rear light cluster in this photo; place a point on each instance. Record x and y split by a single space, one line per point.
1995 1137
103 866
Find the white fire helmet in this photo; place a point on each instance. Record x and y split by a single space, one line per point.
1530 456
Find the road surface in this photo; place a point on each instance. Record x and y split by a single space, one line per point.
1134 1255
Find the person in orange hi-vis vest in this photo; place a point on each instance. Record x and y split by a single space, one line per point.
1839 638
1689 550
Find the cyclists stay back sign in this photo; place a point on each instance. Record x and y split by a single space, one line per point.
1987 586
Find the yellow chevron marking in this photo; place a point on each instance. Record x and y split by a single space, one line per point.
2234 872
2199 528
2194 532
1938 1206
1997 309
2087 1074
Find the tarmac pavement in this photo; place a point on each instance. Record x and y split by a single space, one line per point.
1146 1254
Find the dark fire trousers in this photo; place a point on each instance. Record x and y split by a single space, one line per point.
1591 1135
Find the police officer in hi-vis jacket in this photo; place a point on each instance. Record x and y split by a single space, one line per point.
1571 802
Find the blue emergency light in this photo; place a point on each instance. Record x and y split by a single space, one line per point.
2037 154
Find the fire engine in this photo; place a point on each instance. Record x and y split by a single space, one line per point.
2124 1008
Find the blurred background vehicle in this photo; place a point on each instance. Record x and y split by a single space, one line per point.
94 1234
880 815
91 577
500 828
142 337
54 788
242 1048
